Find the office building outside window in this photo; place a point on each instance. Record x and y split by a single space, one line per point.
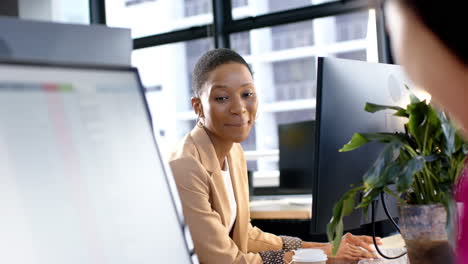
197 7
150 17
136 2
240 3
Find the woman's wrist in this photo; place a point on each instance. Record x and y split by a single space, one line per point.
273 256
326 247
291 243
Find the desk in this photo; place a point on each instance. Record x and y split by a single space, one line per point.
281 207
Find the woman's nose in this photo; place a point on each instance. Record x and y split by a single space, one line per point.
238 106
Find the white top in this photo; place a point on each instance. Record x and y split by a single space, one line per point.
230 192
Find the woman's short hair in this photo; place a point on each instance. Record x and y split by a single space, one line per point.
209 61
447 20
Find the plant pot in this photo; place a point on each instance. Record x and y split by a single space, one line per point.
423 228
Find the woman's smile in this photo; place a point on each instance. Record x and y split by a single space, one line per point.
229 103
238 124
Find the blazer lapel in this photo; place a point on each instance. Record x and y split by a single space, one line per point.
209 160
241 224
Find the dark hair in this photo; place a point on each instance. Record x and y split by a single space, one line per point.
209 61
447 20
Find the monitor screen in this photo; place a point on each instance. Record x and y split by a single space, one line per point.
81 178
343 88
296 156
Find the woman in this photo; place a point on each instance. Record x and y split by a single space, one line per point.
428 39
211 175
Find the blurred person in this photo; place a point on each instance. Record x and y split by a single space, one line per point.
428 40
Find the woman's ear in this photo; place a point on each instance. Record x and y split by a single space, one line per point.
197 106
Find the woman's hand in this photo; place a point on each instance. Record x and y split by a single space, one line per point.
351 247
365 242
288 257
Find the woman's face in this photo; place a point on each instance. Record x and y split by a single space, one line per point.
228 103
428 62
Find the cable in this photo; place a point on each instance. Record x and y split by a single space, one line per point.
373 229
387 213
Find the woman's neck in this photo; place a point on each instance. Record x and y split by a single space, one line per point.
221 147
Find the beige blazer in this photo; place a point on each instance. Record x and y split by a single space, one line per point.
205 203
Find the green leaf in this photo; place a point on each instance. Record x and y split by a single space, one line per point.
384 137
414 99
450 207
431 158
356 141
402 112
405 179
392 193
360 139
349 201
418 116
337 241
387 176
372 108
424 125
369 196
433 122
459 142
383 170
449 133
341 209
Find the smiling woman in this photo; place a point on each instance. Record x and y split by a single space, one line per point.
227 104
211 175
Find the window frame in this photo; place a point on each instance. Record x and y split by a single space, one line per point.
224 25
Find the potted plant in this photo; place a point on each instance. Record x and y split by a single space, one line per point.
423 164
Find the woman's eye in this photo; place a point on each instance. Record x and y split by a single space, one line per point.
248 94
221 98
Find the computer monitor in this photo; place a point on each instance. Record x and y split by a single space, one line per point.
343 88
81 177
296 156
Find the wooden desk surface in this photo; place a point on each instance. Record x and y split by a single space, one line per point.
285 208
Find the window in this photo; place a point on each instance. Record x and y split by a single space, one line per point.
294 79
292 35
351 26
197 7
294 116
193 50
282 57
239 3
149 17
353 55
240 42
170 66
136 2
76 12
260 7
281 5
